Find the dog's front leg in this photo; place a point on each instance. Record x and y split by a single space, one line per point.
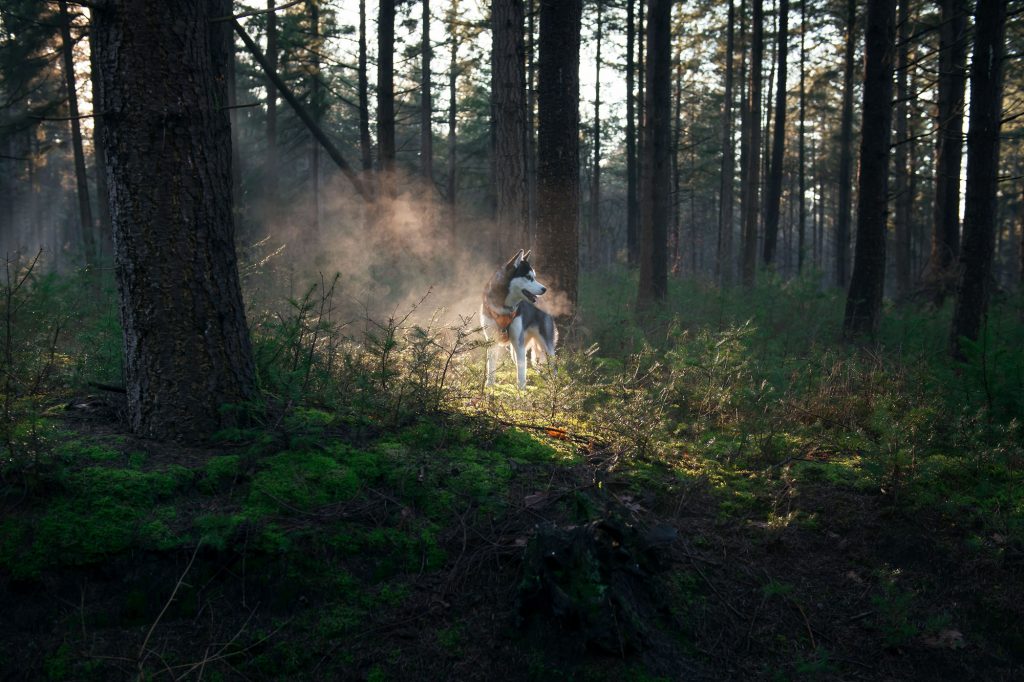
519 351
492 362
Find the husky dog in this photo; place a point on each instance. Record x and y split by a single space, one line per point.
509 316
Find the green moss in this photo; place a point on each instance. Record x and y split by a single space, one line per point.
103 511
218 530
219 472
299 482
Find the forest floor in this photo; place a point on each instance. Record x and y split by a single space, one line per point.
736 501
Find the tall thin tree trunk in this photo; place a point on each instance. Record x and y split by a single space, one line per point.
365 147
317 106
426 103
453 110
508 125
846 151
270 170
753 112
1020 272
980 210
530 228
632 213
656 207
595 176
558 183
941 275
105 237
676 200
724 263
801 247
386 95
864 303
902 170
774 199
88 239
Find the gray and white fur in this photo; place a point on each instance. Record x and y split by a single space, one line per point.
510 318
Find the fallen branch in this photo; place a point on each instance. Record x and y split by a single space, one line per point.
300 110
142 650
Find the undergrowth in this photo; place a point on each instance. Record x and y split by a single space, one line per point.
375 451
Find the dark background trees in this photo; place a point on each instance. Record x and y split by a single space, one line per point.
761 160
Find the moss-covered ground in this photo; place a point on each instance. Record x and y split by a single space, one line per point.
824 511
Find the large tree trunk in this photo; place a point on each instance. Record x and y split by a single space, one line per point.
975 281
902 171
386 95
632 220
941 275
724 265
186 343
558 168
774 199
864 302
363 87
752 150
846 151
88 239
656 206
426 103
508 93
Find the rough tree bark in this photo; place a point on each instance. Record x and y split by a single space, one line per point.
656 205
86 235
864 302
167 139
558 169
980 211
941 275
724 265
752 152
508 108
846 151
774 200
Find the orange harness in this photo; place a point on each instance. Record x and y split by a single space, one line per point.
503 320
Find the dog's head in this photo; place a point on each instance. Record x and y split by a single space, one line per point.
522 280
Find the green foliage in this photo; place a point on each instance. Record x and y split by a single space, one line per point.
102 511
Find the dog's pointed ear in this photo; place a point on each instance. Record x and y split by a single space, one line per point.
514 261
526 256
